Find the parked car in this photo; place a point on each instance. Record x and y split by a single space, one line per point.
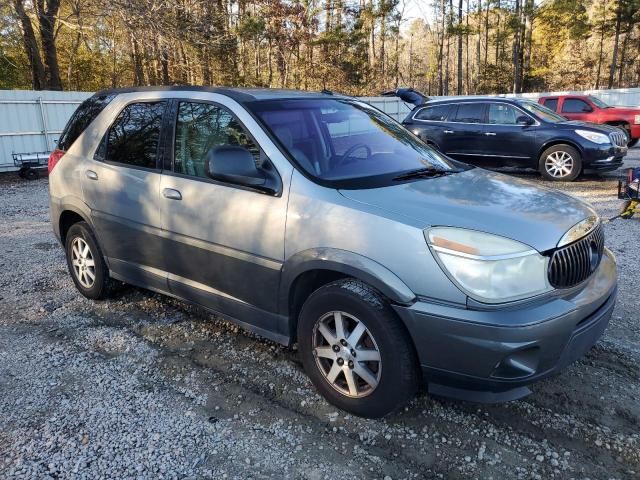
317 219
591 109
497 132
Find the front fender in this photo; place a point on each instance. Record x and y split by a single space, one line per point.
348 263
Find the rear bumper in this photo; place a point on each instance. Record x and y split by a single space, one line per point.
492 355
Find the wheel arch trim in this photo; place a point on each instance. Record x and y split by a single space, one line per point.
345 262
560 141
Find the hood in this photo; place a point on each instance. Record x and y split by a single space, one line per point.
481 200
617 109
598 127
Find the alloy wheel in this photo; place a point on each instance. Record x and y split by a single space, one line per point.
83 263
559 164
346 354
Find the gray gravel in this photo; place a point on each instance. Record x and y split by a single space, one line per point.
143 386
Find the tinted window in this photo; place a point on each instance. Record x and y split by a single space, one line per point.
597 102
470 113
503 114
201 127
575 105
551 103
81 118
436 113
346 140
134 136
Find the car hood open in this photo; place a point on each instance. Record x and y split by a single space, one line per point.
481 200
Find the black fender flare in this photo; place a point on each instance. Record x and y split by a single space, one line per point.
345 262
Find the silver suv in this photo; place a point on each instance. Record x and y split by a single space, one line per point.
317 219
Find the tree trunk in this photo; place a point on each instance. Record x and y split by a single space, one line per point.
616 41
623 52
459 63
441 48
602 28
47 20
38 79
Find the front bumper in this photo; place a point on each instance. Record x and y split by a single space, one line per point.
491 355
604 157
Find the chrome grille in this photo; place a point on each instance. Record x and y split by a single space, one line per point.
574 263
618 138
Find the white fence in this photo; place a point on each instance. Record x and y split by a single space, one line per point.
32 121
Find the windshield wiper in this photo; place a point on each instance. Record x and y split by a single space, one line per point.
425 173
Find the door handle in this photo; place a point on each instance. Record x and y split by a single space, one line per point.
91 175
448 131
172 194
491 134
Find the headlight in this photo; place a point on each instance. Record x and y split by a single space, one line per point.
489 268
595 137
636 119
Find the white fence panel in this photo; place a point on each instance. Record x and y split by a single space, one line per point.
32 121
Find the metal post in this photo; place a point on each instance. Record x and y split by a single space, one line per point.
43 117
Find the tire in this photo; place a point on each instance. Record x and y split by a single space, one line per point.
387 382
78 238
560 163
31 174
632 142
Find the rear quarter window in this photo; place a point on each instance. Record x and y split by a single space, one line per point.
551 103
435 113
81 118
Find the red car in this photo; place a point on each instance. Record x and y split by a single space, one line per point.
591 109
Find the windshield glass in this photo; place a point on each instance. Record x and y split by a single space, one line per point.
342 139
597 102
542 112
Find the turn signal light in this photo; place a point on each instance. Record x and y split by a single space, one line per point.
54 158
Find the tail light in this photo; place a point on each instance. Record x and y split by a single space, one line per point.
54 158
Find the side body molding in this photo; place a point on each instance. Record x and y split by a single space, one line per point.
342 261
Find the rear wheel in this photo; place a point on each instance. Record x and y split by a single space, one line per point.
86 263
560 163
31 174
355 350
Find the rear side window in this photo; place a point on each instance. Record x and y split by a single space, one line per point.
134 137
81 118
551 103
436 113
575 105
470 113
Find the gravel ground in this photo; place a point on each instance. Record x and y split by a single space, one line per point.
146 386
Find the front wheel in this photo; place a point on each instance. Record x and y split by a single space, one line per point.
560 163
355 350
632 142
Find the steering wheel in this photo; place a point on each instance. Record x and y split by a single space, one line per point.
348 154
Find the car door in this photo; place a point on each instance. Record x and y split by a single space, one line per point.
225 242
429 124
575 109
121 185
465 139
509 139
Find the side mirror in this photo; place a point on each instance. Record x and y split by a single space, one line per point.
587 109
234 164
524 120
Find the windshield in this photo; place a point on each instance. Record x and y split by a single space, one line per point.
597 102
343 140
542 112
